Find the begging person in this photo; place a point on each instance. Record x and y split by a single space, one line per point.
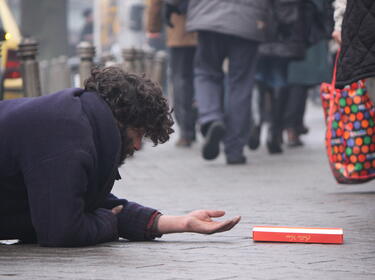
59 158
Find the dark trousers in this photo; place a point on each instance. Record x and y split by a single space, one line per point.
182 74
212 49
296 106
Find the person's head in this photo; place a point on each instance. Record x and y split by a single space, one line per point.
87 14
137 104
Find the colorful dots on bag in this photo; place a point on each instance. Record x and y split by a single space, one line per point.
357 99
365 149
358 141
367 140
354 108
360 91
350 135
360 116
358 166
361 158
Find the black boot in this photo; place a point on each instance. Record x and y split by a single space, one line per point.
279 98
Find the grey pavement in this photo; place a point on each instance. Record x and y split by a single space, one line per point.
293 189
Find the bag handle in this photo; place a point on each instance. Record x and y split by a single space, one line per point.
335 69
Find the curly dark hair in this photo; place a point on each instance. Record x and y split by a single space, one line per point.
135 101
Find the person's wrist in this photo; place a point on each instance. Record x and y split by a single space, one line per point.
172 224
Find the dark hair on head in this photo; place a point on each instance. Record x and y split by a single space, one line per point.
135 101
87 12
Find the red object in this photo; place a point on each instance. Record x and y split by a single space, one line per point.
12 66
350 131
298 234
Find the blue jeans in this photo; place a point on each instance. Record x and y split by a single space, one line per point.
212 49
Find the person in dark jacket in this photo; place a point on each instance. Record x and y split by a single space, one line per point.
181 49
314 69
233 30
357 60
59 158
286 42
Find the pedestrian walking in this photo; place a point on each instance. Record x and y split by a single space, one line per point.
286 42
87 33
233 30
59 158
182 45
310 72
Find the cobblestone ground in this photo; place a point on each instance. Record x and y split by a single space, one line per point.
293 189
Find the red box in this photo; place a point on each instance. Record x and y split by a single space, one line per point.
298 234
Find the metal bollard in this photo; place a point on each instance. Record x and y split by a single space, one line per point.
129 60
139 61
86 52
148 62
107 60
44 67
29 67
159 68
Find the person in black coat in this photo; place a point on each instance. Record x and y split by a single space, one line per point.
286 42
59 158
357 58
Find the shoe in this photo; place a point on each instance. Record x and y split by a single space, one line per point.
274 143
183 143
254 139
302 130
211 146
293 138
237 161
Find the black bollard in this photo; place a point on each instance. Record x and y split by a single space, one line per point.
28 50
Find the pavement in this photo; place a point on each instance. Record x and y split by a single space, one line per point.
292 189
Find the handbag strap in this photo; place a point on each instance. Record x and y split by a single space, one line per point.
335 69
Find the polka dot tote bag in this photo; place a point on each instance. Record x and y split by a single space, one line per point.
350 134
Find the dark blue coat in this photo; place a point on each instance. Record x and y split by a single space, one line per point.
59 156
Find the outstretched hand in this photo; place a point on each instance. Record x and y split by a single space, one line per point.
199 221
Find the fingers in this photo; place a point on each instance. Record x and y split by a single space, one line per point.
215 213
229 225
117 209
225 226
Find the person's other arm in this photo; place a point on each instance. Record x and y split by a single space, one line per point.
154 18
57 188
339 10
135 222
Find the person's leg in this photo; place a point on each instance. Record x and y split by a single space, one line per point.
208 83
242 61
183 91
209 76
279 98
301 100
292 115
257 114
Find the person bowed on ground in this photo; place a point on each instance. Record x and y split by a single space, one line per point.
59 158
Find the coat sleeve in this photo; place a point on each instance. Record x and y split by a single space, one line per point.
134 221
57 187
339 10
154 16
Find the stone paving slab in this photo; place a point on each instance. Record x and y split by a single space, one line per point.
293 189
